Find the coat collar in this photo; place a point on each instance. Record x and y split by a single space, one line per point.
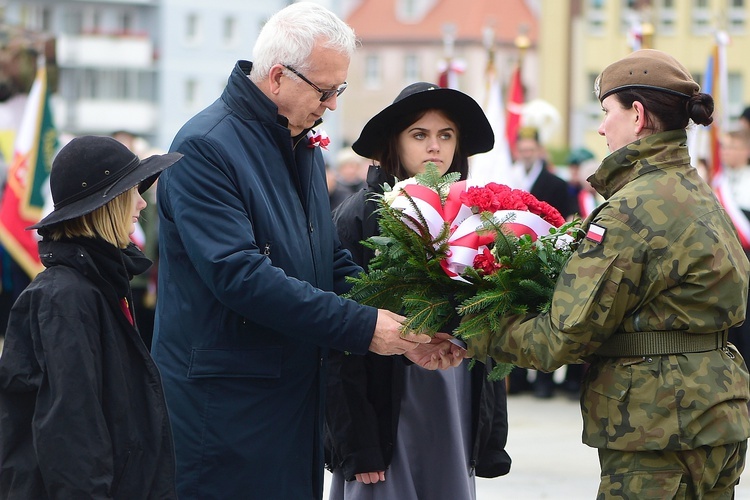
245 99
376 177
655 152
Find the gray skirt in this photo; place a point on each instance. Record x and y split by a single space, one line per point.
433 442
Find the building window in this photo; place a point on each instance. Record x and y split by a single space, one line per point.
72 22
92 20
372 71
630 17
406 10
229 31
666 17
38 18
126 22
735 94
192 29
595 16
88 84
146 86
734 99
411 68
701 18
191 94
737 16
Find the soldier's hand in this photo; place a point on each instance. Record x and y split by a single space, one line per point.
439 354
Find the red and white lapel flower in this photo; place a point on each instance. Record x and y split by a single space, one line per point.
318 138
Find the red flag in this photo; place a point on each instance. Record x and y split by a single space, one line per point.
443 79
514 108
23 199
448 73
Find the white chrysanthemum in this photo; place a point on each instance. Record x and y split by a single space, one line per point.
564 242
391 195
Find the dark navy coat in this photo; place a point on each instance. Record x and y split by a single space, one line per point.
249 263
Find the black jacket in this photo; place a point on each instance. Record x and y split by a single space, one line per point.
552 189
82 412
364 392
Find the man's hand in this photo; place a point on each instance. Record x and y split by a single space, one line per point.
439 354
388 337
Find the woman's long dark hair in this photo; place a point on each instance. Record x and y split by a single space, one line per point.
389 160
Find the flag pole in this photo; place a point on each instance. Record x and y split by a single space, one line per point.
23 199
448 77
494 165
515 92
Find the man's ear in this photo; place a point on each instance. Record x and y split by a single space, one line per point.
274 78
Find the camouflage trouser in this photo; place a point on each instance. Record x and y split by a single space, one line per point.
704 473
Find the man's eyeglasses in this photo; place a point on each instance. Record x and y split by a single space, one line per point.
325 94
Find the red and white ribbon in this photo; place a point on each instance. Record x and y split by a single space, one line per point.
464 240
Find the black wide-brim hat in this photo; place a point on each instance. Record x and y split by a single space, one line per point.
90 171
476 134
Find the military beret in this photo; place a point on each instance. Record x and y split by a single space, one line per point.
646 69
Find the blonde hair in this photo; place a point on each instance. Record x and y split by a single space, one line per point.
111 222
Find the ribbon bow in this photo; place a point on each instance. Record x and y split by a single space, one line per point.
464 241
315 139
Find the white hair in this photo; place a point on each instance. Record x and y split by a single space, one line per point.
290 35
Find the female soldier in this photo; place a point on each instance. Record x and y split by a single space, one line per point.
647 299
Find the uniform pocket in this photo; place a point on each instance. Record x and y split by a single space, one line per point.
641 485
586 294
629 405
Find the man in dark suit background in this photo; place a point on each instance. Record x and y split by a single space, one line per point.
532 173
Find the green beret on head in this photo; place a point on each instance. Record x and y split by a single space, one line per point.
646 69
579 155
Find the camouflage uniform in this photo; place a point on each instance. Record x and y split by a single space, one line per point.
669 260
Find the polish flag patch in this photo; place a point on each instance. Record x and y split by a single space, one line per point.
595 233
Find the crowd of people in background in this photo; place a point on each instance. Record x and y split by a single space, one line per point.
188 337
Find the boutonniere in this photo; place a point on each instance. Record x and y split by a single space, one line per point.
315 139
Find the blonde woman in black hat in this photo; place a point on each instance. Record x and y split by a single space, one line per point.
647 299
396 430
82 413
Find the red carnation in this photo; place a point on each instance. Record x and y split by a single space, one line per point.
485 262
480 199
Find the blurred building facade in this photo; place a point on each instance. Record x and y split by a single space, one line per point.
144 66
107 55
148 65
404 41
579 38
202 40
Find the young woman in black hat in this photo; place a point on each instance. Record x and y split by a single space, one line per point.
82 413
394 429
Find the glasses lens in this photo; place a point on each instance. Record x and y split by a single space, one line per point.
327 94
